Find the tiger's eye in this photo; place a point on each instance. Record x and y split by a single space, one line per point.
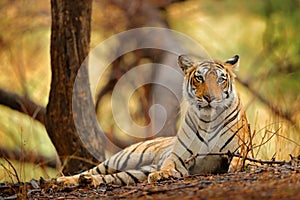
198 77
221 80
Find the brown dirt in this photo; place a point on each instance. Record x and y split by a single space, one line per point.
267 182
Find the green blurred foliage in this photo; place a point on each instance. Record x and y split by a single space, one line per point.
282 44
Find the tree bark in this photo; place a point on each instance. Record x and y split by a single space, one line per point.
70 38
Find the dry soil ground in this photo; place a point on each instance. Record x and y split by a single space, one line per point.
264 182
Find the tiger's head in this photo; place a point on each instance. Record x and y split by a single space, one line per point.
209 84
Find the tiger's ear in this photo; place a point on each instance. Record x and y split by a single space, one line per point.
233 63
185 62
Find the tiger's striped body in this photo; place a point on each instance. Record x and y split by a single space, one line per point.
213 121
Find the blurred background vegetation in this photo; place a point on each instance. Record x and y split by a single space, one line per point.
264 33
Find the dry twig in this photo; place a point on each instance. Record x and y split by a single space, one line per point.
15 173
231 155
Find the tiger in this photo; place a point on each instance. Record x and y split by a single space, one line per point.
213 121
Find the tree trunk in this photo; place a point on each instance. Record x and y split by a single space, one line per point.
70 38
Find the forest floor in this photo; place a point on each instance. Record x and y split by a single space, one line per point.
264 182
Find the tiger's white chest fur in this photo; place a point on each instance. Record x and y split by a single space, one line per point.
206 131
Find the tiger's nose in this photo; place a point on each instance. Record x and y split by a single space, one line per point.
209 98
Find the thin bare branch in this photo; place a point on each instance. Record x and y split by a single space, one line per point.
15 174
263 142
229 154
23 105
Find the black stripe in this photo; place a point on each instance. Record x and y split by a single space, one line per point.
198 127
105 164
214 119
195 130
224 125
109 175
135 179
189 88
224 132
124 165
180 159
190 123
103 179
238 105
105 168
206 64
182 143
147 161
145 172
175 167
230 128
219 66
229 89
221 112
229 140
201 138
142 157
120 159
98 170
118 177
232 119
226 88
117 158
185 133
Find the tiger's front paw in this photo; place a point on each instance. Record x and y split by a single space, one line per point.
164 174
68 180
88 179
82 179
